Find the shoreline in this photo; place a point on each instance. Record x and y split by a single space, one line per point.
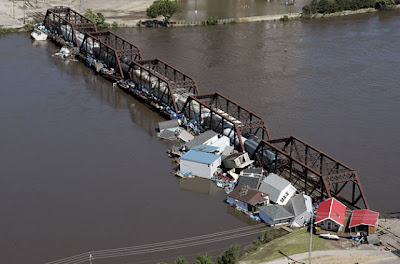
126 23
271 18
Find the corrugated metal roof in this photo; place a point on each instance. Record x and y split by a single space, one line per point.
363 217
199 156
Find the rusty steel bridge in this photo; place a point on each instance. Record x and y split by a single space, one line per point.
308 168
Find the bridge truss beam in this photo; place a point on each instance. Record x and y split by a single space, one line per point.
164 81
217 112
320 174
111 49
68 24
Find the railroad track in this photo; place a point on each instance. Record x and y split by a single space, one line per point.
390 239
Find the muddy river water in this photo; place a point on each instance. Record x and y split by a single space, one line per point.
81 168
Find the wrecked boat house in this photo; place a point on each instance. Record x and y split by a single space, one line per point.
176 95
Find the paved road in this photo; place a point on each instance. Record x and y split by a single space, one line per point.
342 256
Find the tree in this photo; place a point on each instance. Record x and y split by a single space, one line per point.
166 8
180 260
229 256
98 18
205 259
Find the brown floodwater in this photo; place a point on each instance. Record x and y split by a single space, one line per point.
223 9
236 8
81 168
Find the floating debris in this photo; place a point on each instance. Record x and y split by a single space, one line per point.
65 53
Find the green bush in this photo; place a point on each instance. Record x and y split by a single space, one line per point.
10 30
210 21
307 13
205 259
383 5
332 6
180 260
229 256
284 18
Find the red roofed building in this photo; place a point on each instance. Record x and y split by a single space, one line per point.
364 221
330 215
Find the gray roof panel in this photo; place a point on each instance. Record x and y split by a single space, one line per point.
299 204
199 140
273 185
252 182
168 135
272 191
276 212
168 124
277 181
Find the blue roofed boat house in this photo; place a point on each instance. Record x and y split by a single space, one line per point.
199 163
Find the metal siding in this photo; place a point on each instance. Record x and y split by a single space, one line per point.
299 221
196 168
211 140
289 189
238 203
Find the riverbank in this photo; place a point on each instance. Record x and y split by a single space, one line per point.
18 16
265 18
342 251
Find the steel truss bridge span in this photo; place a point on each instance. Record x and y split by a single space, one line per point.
227 117
68 24
110 49
168 84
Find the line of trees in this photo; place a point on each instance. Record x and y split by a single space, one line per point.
332 6
229 256
232 254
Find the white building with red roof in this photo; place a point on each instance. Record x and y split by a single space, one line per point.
364 222
330 215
